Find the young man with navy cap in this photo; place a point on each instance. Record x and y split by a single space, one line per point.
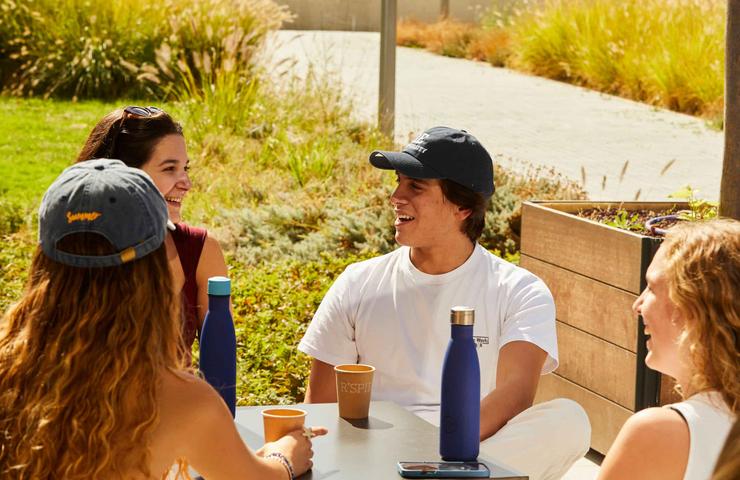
393 311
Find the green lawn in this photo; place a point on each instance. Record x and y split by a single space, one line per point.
38 138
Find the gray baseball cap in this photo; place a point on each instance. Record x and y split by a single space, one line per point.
108 198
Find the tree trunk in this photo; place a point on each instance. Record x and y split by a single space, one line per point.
729 196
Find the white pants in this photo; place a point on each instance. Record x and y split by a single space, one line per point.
543 441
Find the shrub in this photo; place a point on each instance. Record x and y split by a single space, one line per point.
286 236
273 305
13 216
668 53
665 52
503 218
492 46
291 176
286 242
15 258
454 39
103 49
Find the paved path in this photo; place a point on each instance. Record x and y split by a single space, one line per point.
520 118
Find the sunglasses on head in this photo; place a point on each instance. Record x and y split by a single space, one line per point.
143 111
131 110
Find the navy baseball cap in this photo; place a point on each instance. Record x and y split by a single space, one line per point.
444 153
107 198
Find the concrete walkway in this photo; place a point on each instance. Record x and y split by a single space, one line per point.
519 118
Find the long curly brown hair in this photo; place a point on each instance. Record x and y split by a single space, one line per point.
81 355
703 272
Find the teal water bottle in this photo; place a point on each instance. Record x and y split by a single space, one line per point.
459 429
218 342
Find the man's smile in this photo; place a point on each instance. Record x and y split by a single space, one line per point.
403 219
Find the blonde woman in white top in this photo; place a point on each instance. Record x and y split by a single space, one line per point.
691 310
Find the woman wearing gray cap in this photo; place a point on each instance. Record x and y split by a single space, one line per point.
149 139
92 377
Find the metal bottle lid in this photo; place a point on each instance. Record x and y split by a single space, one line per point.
462 315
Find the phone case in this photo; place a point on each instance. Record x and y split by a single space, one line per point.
439 473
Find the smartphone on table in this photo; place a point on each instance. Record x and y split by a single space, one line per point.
443 470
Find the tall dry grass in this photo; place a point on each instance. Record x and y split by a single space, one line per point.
668 53
104 49
455 39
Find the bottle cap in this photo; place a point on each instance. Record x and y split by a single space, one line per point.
219 286
462 315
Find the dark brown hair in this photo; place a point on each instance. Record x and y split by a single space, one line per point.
126 137
465 198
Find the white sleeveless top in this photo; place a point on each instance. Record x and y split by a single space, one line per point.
709 420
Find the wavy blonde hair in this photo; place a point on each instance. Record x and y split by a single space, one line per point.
81 355
703 272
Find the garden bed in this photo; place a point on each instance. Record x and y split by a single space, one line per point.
633 220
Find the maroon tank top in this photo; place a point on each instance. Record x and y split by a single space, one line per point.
189 243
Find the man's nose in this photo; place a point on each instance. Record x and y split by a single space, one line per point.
397 196
637 306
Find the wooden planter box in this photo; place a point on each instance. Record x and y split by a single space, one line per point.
595 273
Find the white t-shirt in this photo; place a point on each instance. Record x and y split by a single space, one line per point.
709 420
386 313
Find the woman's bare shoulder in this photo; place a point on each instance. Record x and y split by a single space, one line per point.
211 261
187 409
665 420
184 394
653 443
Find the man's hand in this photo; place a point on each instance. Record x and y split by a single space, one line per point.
322 383
517 376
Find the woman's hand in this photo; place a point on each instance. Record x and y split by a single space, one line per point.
296 447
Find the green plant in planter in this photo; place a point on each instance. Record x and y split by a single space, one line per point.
625 221
699 208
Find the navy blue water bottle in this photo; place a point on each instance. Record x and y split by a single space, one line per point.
459 429
218 342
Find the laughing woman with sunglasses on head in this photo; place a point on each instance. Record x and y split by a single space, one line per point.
149 139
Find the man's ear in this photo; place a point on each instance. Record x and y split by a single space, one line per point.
463 213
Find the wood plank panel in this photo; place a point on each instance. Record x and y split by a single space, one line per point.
597 251
589 305
606 417
600 366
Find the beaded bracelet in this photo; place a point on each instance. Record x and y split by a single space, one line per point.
282 459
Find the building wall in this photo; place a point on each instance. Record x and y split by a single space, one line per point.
364 15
